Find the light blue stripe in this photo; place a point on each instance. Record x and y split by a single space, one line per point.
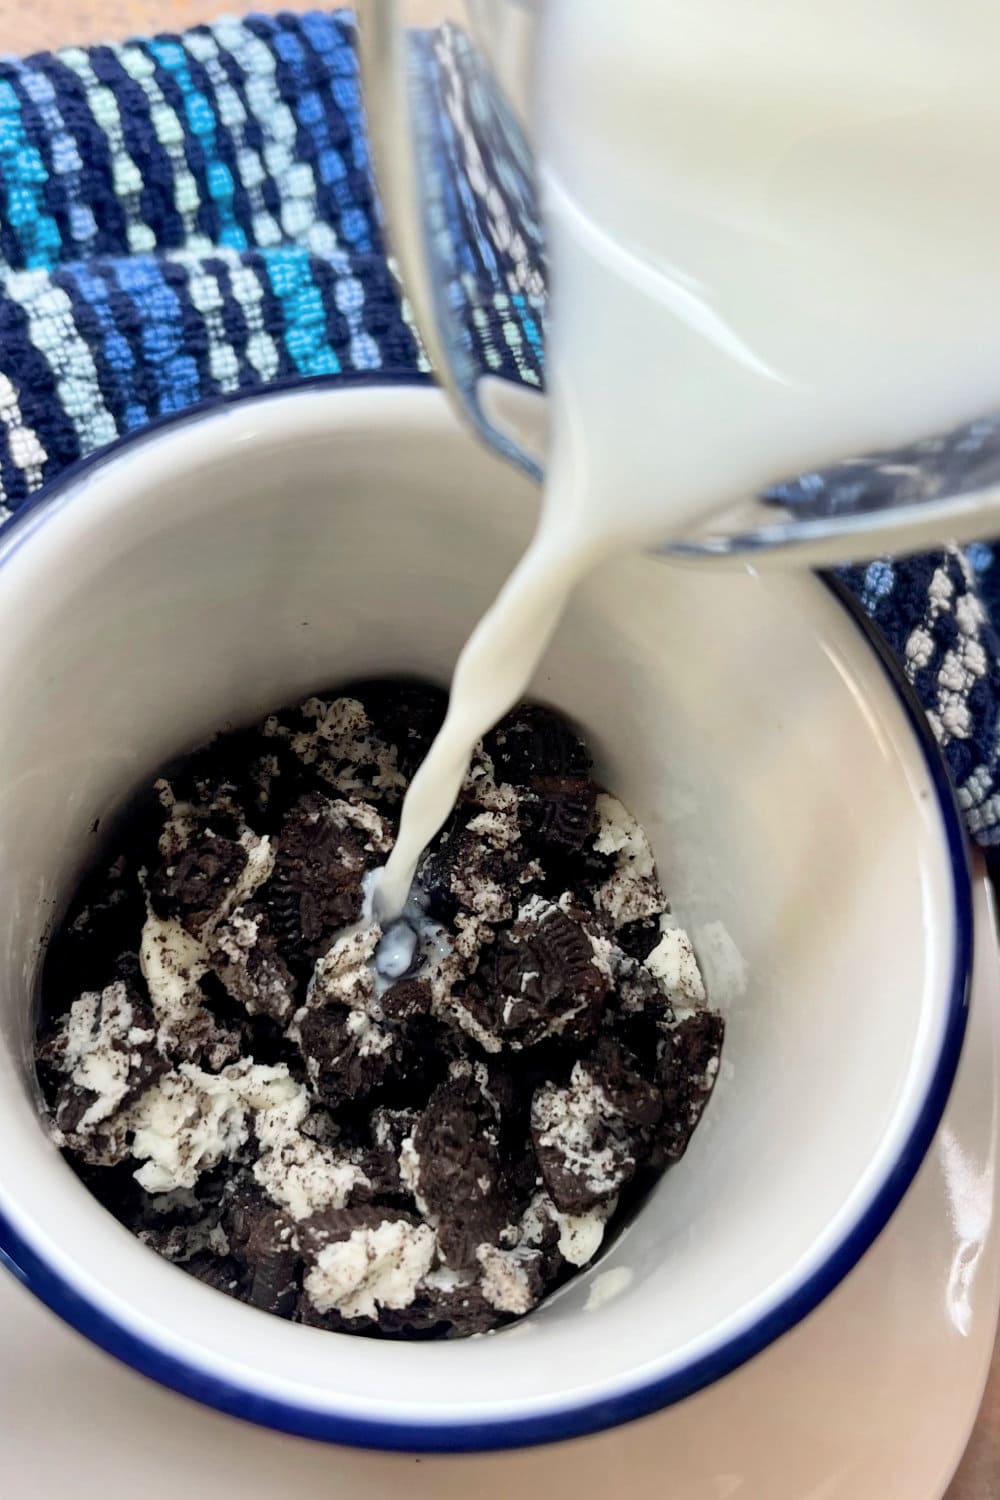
350 299
67 162
306 337
201 120
528 324
24 174
53 330
206 298
232 114
293 178
126 178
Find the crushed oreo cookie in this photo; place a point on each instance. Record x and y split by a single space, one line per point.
409 1134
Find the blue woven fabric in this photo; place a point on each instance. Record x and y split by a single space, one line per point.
186 216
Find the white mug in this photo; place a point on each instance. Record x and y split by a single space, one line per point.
237 559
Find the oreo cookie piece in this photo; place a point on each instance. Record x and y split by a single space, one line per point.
262 1240
102 1056
271 1255
638 939
338 750
584 872
101 924
467 873
446 1306
333 1226
406 715
636 1101
192 886
180 1242
591 1134
632 892
533 741
308 1315
247 960
538 980
557 812
324 850
222 1273
511 1281
242 778
406 999
641 1015
217 785
241 1204
453 1166
686 1067
388 1129
347 1055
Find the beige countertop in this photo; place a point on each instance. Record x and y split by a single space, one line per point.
47 23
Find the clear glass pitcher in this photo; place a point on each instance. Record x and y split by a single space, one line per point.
453 131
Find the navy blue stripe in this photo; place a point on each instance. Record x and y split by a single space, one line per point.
15 485
111 314
207 146
288 83
253 134
66 192
273 316
88 323
11 479
133 322
233 319
333 45
207 215
383 312
156 197
305 82
71 97
338 331
194 340
38 395
129 324
224 145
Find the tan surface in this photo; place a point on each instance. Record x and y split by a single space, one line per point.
27 27
30 25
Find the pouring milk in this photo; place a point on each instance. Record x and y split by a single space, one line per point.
772 229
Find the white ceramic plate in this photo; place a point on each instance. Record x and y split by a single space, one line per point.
873 1396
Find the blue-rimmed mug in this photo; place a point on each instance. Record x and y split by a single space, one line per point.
241 557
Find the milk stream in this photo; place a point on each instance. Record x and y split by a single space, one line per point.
772 233
493 670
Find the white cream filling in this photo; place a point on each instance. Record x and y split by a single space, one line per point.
505 1279
371 1268
98 1042
674 964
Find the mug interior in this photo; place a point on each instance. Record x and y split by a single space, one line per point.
243 559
